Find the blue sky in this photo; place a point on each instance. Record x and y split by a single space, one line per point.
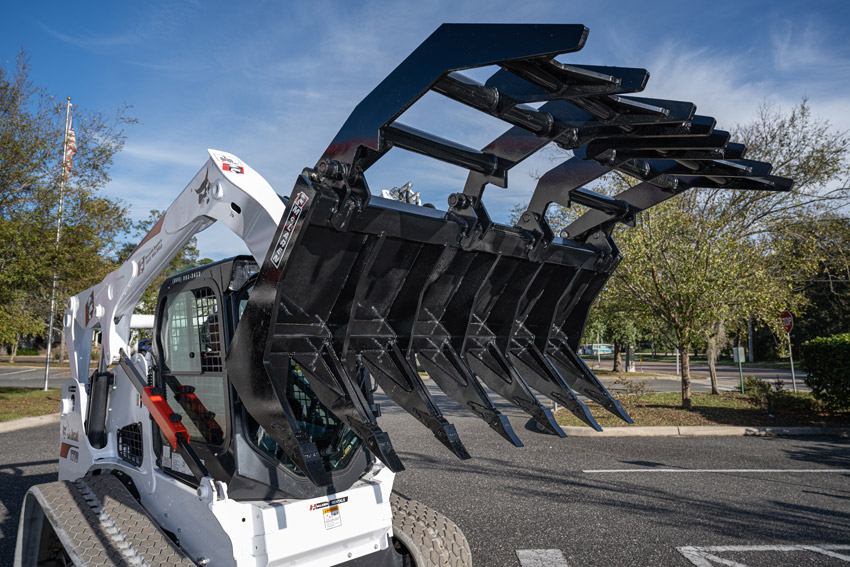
272 82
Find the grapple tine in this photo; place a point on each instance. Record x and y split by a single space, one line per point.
337 391
402 384
499 373
278 420
442 314
581 378
454 378
537 369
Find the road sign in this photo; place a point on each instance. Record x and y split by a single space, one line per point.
787 321
738 354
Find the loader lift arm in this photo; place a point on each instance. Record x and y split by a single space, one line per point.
225 190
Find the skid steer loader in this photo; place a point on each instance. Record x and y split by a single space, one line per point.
249 434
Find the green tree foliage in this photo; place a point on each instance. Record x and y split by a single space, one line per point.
687 271
827 290
826 359
710 259
31 139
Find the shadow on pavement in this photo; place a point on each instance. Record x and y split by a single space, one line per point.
14 483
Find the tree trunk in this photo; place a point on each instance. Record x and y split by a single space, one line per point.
15 347
618 358
684 350
712 350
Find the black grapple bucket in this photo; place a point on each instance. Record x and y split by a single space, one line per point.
351 277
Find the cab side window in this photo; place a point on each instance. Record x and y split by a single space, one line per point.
192 373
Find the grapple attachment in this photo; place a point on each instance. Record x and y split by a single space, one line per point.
350 276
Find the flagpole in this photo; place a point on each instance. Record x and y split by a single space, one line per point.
65 173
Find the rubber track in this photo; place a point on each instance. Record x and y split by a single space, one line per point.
102 524
432 539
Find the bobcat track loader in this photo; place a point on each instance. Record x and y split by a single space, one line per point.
249 435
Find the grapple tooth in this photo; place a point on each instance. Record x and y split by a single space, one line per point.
543 377
337 391
256 388
453 377
402 384
581 378
379 444
498 373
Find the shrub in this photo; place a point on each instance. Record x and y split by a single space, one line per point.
757 391
785 402
827 361
776 399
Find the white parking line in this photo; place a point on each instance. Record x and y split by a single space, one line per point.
541 558
648 470
705 556
19 372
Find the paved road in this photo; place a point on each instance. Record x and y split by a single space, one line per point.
27 457
543 496
727 376
540 497
33 376
666 381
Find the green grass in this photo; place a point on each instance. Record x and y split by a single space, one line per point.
724 409
16 403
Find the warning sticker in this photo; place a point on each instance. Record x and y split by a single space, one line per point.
333 519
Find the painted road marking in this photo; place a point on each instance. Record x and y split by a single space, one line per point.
20 371
598 471
541 558
705 556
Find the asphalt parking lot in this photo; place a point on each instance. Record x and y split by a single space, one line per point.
632 501
585 501
32 376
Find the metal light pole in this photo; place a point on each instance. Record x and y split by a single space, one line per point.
58 234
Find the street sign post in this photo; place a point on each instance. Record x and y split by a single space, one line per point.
788 324
738 353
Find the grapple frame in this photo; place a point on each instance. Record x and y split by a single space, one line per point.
351 277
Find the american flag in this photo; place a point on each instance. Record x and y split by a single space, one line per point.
70 150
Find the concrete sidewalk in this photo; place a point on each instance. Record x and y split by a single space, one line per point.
27 422
707 431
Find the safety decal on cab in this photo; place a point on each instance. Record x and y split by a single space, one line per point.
286 234
332 517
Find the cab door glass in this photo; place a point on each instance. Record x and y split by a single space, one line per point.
192 373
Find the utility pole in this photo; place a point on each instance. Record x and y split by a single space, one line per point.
68 144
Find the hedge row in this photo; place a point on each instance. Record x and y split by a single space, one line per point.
827 361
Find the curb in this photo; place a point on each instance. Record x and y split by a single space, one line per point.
27 422
706 431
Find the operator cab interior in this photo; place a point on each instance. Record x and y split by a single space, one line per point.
197 315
